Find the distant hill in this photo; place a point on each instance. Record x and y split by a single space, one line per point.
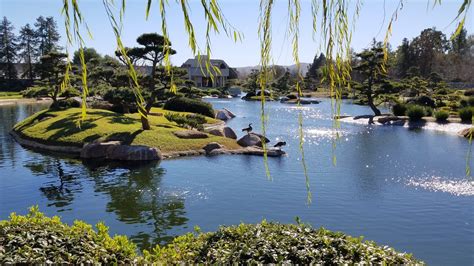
243 72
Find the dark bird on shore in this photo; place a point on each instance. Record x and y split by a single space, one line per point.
280 144
248 129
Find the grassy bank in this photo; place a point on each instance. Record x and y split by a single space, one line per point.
6 95
35 238
62 128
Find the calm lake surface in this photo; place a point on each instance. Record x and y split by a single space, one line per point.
398 187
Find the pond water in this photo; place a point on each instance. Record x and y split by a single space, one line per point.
398 187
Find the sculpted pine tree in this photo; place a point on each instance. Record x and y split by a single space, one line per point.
28 45
151 52
370 68
51 71
8 49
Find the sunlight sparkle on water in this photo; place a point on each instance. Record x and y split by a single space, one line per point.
460 187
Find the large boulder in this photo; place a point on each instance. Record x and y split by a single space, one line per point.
223 132
232 115
271 152
229 133
133 153
391 121
222 115
97 149
115 150
212 146
217 132
190 134
252 139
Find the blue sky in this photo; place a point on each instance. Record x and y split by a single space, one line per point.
243 14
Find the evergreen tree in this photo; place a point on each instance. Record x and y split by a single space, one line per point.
8 49
459 45
313 76
28 45
51 70
427 49
48 35
404 59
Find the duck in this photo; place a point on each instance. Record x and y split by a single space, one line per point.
280 144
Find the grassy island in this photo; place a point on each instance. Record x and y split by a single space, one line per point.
62 128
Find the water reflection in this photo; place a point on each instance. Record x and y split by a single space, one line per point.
60 191
137 197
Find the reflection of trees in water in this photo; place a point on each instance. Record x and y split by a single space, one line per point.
60 193
9 116
136 196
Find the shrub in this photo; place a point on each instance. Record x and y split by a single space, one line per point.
37 239
466 114
182 104
441 116
428 111
274 243
68 103
442 91
415 112
36 92
469 92
399 109
470 101
70 92
191 120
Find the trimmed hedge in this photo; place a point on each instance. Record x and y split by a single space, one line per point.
35 238
182 104
466 114
399 109
442 116
415 112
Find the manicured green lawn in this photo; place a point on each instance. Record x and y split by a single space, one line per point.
64 128
10 95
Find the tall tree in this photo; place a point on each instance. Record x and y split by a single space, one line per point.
314 74
404 59
89 54
370 68
427 48
8 49
151 52
28 45
48 35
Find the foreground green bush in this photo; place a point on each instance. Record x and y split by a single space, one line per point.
194 121
35 238
182 104
466 114
415 112
441 116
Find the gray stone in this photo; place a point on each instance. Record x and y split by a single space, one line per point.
114 150
217 132
190 134
133 153
229 133
222 115
212 146
97 149
252 139
229 113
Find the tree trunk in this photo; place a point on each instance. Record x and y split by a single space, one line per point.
370 99
145 122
